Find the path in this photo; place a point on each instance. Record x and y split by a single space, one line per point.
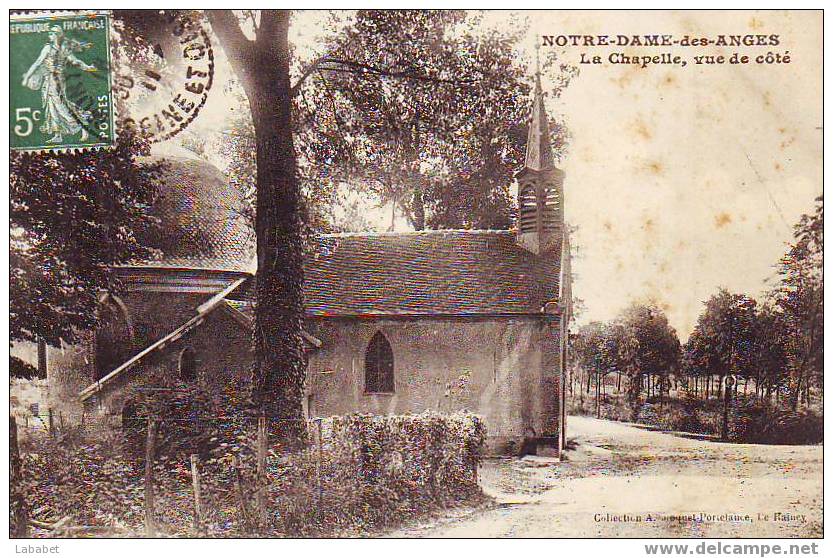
619 474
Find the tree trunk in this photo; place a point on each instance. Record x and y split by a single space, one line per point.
281 370
263 67
418 207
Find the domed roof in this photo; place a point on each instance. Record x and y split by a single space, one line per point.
202 223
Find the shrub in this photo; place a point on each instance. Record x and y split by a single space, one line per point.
685 417
370 470
760 423
366 472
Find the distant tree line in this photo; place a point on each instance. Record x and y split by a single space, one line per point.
773 348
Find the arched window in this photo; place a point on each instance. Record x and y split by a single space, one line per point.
187 365
113 336
378 365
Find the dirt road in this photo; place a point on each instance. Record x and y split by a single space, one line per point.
623 481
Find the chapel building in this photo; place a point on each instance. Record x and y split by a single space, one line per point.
439 320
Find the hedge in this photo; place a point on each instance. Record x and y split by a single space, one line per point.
375 470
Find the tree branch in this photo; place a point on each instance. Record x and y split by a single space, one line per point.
238 48
349 66
270 21
308 71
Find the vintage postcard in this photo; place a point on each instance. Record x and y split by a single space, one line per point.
417 274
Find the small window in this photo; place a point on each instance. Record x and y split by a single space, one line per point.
378 365
187 365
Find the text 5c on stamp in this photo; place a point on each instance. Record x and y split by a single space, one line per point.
60 83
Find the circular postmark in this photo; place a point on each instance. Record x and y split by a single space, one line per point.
165 88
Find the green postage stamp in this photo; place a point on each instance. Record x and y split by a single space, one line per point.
60 94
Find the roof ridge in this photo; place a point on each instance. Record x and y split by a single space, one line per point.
416 233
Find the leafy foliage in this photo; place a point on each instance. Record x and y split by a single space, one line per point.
724 339
640 343
596 348
800 299
72 215
376 470
648 347
434 123
369 471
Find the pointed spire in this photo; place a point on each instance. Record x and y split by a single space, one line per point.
538 151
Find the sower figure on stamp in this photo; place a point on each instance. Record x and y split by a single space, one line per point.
61 116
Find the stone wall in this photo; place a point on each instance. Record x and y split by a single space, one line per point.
223 359
71 368
504 369
492 367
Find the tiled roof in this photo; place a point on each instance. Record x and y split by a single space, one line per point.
428 272
202 226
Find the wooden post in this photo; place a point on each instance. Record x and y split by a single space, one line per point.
51 423
320 487
150 450
241 497
195 478
21 511
261 473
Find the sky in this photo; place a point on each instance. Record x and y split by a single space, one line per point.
680 180
684 180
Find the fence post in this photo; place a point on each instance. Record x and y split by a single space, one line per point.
261 472
21 511
241 498
195 477
51 423
150 451
320 487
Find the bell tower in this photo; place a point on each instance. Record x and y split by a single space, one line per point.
540 185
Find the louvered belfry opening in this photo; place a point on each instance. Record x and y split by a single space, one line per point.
378 365
528 205
538 201
549 209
